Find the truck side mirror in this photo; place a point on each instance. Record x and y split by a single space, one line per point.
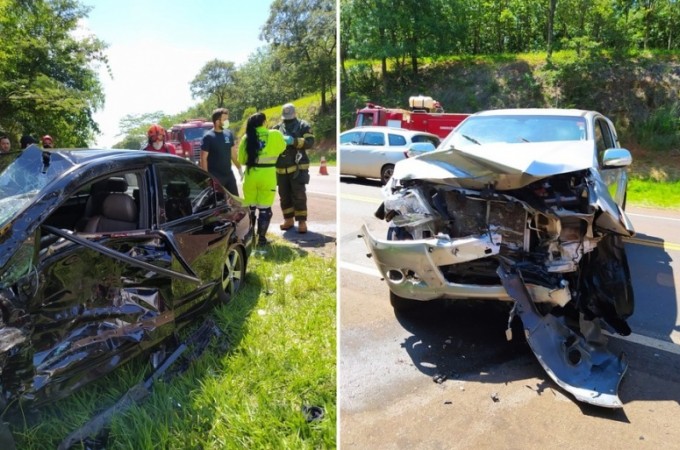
616 157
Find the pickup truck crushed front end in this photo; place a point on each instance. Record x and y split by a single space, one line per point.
550 242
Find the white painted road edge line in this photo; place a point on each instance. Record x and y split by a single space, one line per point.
372 271
646 341
673 219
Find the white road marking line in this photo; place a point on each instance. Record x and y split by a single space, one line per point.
645 341
673 219
372 271
361 198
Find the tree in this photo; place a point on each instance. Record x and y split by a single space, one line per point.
48 77
133 128
260 83
551 23
215 79
302 36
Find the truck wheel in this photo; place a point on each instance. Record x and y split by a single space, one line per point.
386 173
402 304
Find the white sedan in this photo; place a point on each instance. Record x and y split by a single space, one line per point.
372 152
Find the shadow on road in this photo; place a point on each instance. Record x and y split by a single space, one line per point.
656 302
359 181
466 341
463 340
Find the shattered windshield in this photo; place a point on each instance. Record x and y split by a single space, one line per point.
478 130
24 175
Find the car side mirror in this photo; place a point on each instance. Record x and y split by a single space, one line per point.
616 157
419 148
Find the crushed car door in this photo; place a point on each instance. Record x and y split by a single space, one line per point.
105 294
199 228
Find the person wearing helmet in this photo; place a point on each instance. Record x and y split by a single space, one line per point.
156 140
258 150
47 141
292 169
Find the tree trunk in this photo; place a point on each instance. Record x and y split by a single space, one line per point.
551 22
582 25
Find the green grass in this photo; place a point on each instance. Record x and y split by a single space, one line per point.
281 355
652 193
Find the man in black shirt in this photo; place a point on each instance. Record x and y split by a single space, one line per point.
216 151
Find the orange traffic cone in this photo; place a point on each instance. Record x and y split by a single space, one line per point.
323 170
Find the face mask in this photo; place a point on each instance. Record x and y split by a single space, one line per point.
157 145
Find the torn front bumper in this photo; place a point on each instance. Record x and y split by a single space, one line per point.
412 268
578 362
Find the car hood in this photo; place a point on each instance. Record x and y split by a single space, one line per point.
506 166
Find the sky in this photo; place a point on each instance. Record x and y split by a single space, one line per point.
156 47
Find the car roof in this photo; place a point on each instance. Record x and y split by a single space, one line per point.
536 112
390 129
62 169
87 155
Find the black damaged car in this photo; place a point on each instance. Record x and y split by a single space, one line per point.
105 254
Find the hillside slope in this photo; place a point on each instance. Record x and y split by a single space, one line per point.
640 94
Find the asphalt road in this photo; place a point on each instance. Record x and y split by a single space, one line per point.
493 393
321 209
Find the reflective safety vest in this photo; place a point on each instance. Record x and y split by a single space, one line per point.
272 144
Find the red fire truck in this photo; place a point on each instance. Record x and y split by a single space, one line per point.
187 137
425 114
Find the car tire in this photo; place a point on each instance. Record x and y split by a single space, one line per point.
233 273
386 173
401 304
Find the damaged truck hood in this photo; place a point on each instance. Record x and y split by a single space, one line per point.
535 223
505 166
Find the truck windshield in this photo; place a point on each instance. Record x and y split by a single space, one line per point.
513 129
191 134
364 119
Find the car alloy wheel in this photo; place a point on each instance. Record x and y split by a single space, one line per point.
386 173
233 273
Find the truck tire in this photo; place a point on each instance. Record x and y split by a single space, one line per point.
386 173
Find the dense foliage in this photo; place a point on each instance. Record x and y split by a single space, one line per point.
48 76
617 57
403 31
49 71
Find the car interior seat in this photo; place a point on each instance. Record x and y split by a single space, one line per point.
177 203
98 192
119 213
